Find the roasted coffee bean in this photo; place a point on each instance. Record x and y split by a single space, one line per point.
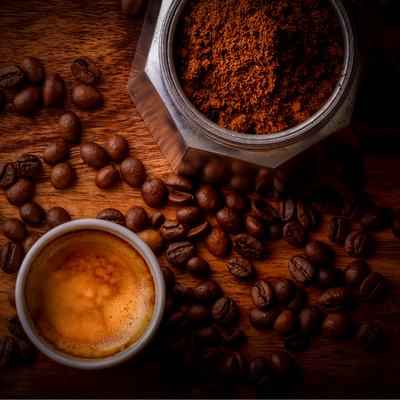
369 336
299 301
248 246
328 201
2 101
285 291
211 355
94 155
33 69
206 337
262 295
198 390
85 69
29 241
179 253
286 322
217 242
198 230
53 88
286 209
372 287
301 269
11 297
86 97
55 152
296 342
310 320
28 165
20 192
28 101
178 322
356 204
156 220
169 277
255 226
328 277
275 231
218 389
11 77
317 252
239 202
62 176
32 213
261 319
265 211
281 364
173 230
154 192
11 257
224 310
268 387
8 175
15 327
70 128
230 220
258 367
179 182
335 299
107 177
189 214
240 267
395 227
57 216
171 305
153 239
337 325
207 291
190 359
25 351
353 173
198 314
376 218
136 219
307 215
355 272
180 199
230 367
183 294
112 215
198 266
7 350
178 344
233 339
358 243
208 198
116 147
14 229
133 172
294 233
337 229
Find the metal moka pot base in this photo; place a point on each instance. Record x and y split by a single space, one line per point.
198 148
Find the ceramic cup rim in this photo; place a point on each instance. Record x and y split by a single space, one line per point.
144 250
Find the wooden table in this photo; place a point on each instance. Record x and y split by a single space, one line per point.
58 31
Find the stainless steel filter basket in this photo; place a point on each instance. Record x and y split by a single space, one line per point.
198 148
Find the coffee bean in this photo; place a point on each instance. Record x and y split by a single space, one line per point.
206 337
369 336
169 277
218 389
372 287
255 226
239 202
281 364
207 291
173 230
294 233
52 88
196 231
307 215
8 175
261 319
55 152
301 269
355 272
57 216
337 325
248 246
275 231
217 242
28 165
198 266
198 314
133 172
178 322
190 359
156 220
317 252
20 192
180 199
2 101
376 218
328 277
14 229
29 241
285 323
11 77
154 192
335 299
328 201
258 366
230 220
199 391
182 294
136 219
224 310
228 368
189 214
300 300
358 243
395 227
116 147
179 253
32 213
233 339
310 320
11 297
353 172
296 342
86 97
179 344
112 215
94 155
265 211
33 70
7 349
180 183
262 295
211 355
240 267
337 229
25 351
107 177
70 128
356 204
171 305
285 291
28 101
62 176
286 209
84 69
208 198
15 327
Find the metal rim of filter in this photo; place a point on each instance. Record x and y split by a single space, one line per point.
248 141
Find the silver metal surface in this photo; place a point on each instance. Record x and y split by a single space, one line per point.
197 147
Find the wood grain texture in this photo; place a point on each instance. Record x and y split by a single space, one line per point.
58 31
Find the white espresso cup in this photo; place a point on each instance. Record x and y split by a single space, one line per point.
90 294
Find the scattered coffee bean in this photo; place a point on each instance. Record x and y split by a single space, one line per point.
285 291
55 152
240 267
190 359
189 214
169 277
33 69
171 305
25 351
355 272
11 77
335 299
7 349
29 241
154 192
94 155
255 226
133 172
262 319
207 291
310 320
231 367
32 213
180 199
57 216
372 287
233 339
337 229
296 342
239 202
180 183
328 201
11 297
376 218
136 219
28 101
265 211
14 229
62 176
28 165
107 177
286 209
8 175
208 198
15 327
85 69
179 253
86 97
20 192
301 269
230 220
328 277
112 215
53 88
262 295
286 322
356 204
196 231
117 147
358 243
281 364
369 336
395 227
198 314
70 128
307 215
198 266
294 233
173 230
217 242
299 302
337 324
258 366
182 294
275 231
156 220
178 322
224 310
206 337
211 355
248 246
178 344
317 252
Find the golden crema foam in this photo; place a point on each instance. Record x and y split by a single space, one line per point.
90 294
